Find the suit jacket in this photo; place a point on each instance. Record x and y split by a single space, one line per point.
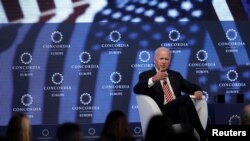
178 84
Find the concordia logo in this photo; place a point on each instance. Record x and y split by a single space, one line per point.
57 78
144 53
56 37
27 100
26 58
85 98
174 35
202 53
114 34
83 55
231 34
115 77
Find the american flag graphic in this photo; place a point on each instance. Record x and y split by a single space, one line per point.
56 11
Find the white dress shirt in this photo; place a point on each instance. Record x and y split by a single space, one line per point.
151 83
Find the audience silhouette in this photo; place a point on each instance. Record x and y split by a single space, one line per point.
160 128
245 115
116 128
2 138
69 131
19 128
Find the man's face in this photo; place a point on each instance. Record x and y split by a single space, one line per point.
162 60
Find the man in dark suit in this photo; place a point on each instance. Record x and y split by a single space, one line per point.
165 87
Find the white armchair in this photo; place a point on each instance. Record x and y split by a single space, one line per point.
148 108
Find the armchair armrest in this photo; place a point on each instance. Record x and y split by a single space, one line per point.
202 110
148 108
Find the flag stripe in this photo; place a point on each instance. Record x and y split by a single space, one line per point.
3 17
237 10
45 5
12 9
30 11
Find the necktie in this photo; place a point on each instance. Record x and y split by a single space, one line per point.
167 92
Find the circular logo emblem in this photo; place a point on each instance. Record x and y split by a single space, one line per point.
85 57
57 78
232 119
115 77
45 132
232 75
144 56
85 98
27 100
231 34
91 131
202 55
26 58
137 130
56 37
114 36
174 35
